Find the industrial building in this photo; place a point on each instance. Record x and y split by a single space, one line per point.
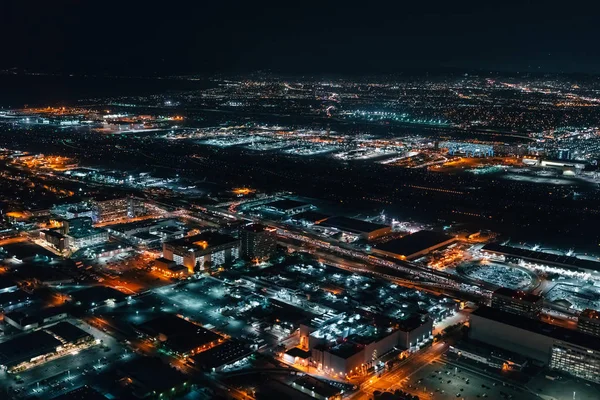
413 246
35 318
589 322
288 207
258 242
219 357
182 337
195 251
170 268
150 378
517 302
363 229
559 348
99 296
31 349
74 233
352 345
515 254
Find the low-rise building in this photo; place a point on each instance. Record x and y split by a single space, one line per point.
195 251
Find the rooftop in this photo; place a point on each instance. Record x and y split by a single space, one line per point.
97 295
352 224
222 354
286 204
414 243
311 216
539 327
202 241
518 294
82 393
152 375
25 347
181 336
68 332
566 261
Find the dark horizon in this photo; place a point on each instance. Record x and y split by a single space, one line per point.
73 36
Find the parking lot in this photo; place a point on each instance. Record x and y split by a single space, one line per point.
65 373
441 380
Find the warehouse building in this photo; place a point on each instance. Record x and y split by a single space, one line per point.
195 251
363 229
413 246
559 348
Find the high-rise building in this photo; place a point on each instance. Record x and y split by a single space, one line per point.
517 302
589 322
258 243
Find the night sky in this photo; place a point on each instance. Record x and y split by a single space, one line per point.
171 37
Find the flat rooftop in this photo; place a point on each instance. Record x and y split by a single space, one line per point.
518 294
68 332
286 204
181 335
414 243
82 393
25 347
152 374
256 228
352 224
556 332
220 355
97 295
202 241
319 387
542 257
311 216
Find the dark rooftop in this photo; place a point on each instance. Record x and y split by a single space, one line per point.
298 352
25 347
311 216
413 243
518 294
322 388
96 295
82 393
539 327
152 375
542 257
181 336
256 228
286 204
352 224
220 355
202 241
68 332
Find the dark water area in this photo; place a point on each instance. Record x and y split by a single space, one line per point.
17 91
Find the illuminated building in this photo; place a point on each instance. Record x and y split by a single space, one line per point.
353 345
414 245
170 268
257 242
517 302
178 335
589 322
56 239
363 229
540 258
288 207
195 251
559 348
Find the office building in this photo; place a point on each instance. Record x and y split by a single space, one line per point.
566 350
517 302
413 246
198 250
257 242
589 322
